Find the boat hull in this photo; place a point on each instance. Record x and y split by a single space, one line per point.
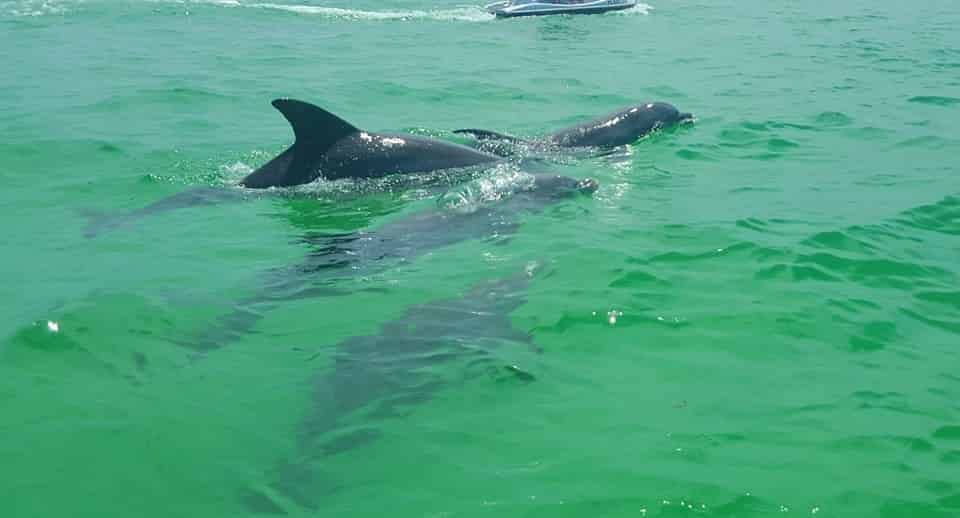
505 13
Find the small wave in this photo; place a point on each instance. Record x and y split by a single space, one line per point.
936 100
927 141
942 216
690 154
781 144
850 19
838 240
463 14
177 96
833 119
876 272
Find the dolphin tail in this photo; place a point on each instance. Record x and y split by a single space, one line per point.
315 129
482 134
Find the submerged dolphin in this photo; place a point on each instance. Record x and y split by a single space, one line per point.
329 146
100 222
404 239
383 375
614 129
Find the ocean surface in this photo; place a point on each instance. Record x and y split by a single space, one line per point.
755 315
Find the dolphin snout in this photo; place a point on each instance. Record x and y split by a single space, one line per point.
685 117
588 185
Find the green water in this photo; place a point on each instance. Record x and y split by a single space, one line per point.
784 272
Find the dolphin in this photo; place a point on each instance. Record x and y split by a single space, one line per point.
383 375
100 222
336 257
325 145
332 147
618 128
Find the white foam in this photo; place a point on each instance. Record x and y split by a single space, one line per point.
33 8
640 8
237 169
502 182
462 14
21 8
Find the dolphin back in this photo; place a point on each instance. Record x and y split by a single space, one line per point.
621 127
482 134
316 131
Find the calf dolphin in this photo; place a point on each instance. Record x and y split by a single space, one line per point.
614 129
376 377
369 252
332 147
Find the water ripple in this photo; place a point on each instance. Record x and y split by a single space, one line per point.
935 100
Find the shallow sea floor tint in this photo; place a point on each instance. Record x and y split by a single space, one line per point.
755 315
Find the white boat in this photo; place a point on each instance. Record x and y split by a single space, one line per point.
510 8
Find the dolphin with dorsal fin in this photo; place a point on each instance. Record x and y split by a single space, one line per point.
329 146
618 128
325 145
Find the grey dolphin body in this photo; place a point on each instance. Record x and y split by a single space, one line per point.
325 145
367 253
614 129
376 377
329 146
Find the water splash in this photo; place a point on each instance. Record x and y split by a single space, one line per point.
413 186
640 8
463 14
504 182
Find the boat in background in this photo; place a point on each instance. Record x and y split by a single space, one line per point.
512 8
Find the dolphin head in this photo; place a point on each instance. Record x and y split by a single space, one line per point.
648 117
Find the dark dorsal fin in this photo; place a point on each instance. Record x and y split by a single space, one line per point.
313 126
316 130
